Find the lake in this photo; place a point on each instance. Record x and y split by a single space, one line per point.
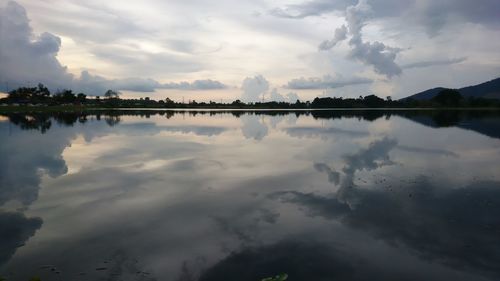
235 195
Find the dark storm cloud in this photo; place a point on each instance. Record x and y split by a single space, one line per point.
15 230
21 162
305 260
25 57
28 59
326 82
300 260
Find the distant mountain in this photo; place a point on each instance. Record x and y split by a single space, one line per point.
489 90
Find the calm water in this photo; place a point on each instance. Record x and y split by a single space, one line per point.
242 196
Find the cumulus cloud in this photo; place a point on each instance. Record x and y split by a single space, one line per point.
432 16
28 59
254 88
253 127
422 64
340 35
292 97
275 96
378 55
327 82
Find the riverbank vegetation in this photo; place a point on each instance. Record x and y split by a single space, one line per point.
41 97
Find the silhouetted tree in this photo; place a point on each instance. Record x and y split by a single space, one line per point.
81 97
65 96
448 97
110 94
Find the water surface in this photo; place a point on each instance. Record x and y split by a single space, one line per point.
324 195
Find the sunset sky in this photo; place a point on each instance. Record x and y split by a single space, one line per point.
284 50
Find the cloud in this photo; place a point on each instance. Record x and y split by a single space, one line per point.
15 230
324 133
327 82
309 258
340 35
434 151
21 165
422 64
254 88
292 97
333 176
309 8
96 84
437 224
433 15
378 55
376 155
253 127
28 59
195 85
275 96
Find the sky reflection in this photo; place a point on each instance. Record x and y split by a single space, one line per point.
242 196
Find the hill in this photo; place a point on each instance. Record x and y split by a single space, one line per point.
489 90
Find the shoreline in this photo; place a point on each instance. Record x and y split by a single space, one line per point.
21 109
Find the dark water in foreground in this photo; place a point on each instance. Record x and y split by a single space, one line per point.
241 196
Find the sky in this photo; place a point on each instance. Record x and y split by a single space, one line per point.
280 50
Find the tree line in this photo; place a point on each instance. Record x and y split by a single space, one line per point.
41 96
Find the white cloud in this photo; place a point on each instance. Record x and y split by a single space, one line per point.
275 96
326 82
254 88
292 97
